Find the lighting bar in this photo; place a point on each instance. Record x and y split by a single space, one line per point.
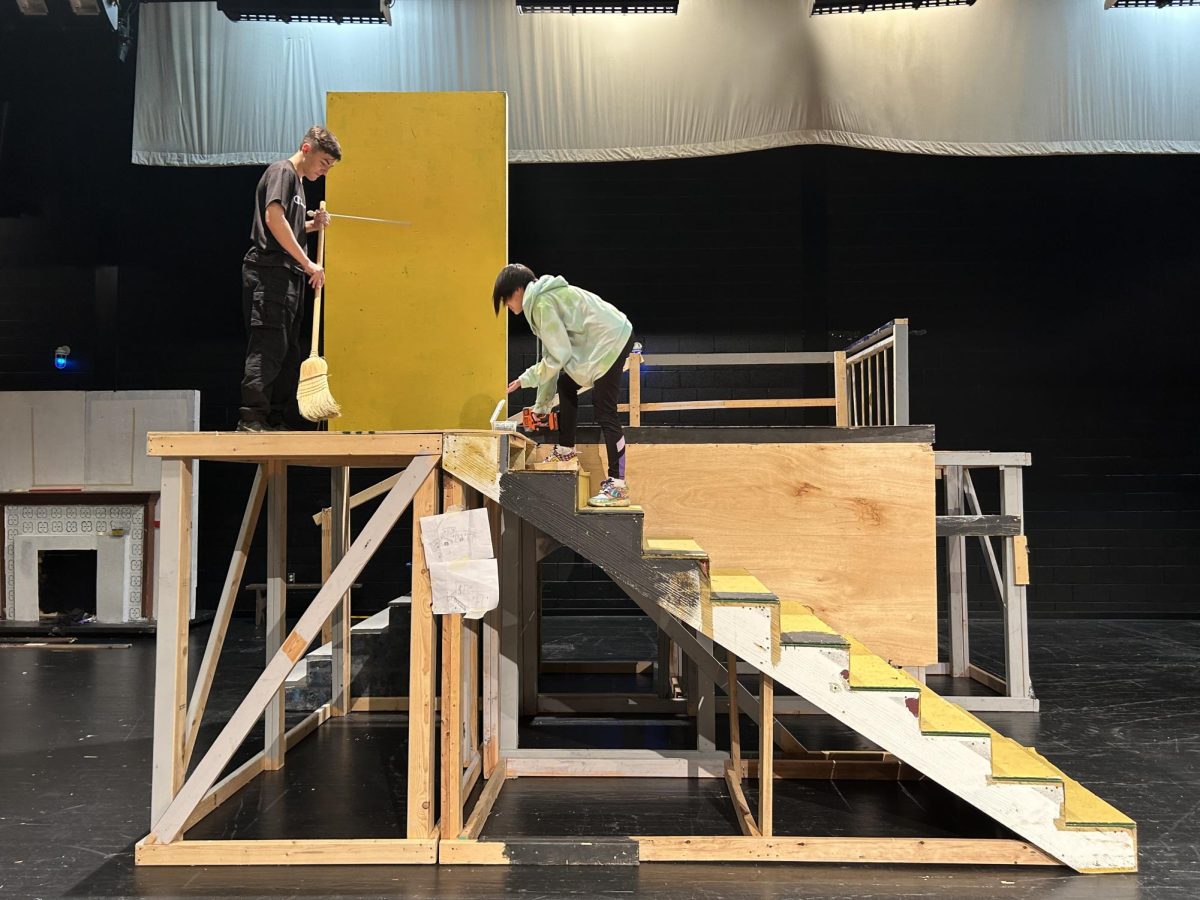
1160 4
33 7
342 12
825 7
577 8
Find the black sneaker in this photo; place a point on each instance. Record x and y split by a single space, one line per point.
253 427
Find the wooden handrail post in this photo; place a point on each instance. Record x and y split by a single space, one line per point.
635 389
841 408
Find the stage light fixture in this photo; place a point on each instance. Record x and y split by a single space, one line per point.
33 7
1160 4
342 12
60 356
669 8
825 7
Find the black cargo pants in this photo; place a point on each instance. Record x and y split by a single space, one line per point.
272 309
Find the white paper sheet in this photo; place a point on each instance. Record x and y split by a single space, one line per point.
467 586
462 569
457 535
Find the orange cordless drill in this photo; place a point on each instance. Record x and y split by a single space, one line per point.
529 420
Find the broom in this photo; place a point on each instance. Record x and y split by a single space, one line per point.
312 393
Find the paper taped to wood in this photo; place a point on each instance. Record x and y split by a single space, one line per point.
457 535
467 586
462 569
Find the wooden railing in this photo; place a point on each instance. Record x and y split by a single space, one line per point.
838 403
877 375
870 380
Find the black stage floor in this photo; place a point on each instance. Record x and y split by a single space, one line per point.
1120 712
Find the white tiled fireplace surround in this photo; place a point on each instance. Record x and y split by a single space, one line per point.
114 530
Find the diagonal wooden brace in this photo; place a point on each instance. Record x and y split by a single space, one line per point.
171 823
216 637
713 670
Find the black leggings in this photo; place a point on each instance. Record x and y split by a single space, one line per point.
604 400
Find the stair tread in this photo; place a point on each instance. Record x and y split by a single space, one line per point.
737 584
673 547
795 616
869 672
940 716
549 465
1013 762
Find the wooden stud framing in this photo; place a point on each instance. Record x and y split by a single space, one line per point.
766 757
220 625
920 851
422 733
169 824
741 809
171 641
508 675
491 657
1016 623
361 851
451 767
956 561
841 407
276 606
228 786
325 518
312 448
735 725
452 793
483 806
706 704
707 663
341 647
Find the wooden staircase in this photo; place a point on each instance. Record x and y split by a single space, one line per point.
787 641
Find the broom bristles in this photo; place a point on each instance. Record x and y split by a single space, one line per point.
312 393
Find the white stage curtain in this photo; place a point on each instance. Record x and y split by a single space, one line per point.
1004 77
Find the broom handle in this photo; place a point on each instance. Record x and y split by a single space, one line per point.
316 338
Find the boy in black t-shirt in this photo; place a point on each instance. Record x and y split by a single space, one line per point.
273 274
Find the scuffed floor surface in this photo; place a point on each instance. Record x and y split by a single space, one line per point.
1120 712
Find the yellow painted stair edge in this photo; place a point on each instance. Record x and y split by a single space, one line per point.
736 581
667 546
795 616
1081 808
1011 761
869 672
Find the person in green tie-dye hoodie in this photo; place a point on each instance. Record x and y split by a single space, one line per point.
585 342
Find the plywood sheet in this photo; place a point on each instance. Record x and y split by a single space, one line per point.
410 336
847 529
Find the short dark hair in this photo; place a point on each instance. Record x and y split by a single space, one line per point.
321 138
511 277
